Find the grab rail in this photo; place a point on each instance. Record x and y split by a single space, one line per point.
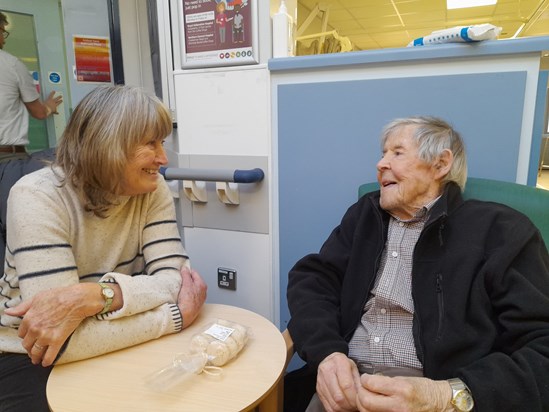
213 175
226 182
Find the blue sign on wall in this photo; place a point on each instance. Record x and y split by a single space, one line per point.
54 77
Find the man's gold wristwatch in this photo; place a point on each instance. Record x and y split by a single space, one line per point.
461 396
108 294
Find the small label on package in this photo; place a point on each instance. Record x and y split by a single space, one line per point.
219 332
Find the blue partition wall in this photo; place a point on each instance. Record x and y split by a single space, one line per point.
328 142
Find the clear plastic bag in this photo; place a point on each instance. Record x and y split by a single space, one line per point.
183 366
210 349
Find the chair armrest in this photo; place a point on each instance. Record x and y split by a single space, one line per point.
289 346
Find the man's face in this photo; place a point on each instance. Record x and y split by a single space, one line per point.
406 182
2 40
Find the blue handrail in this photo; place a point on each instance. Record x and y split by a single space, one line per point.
213 175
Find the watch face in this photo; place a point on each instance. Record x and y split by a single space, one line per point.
464 401
108 292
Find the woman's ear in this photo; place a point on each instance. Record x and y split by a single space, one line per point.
444 163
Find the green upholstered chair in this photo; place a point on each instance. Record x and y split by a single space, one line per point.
531 201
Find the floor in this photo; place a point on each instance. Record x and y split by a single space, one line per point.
543 180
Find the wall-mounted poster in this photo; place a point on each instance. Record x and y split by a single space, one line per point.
92 57
218 32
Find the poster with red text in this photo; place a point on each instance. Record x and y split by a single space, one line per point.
218 32
92 57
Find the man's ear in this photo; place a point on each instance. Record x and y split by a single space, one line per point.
444 163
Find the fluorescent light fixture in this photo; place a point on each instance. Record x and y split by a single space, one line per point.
462 4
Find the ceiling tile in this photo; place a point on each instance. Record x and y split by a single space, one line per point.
372 12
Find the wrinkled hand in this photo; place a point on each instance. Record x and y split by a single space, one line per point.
382 394
53 101
49 318
192 295
337 382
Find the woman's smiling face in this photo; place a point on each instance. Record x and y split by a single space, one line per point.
142 171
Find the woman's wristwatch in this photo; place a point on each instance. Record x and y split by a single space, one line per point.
108 294
462 400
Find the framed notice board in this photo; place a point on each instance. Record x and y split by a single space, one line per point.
218 33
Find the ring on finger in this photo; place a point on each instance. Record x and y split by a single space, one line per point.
37 346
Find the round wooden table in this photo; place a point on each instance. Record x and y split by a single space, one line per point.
117 381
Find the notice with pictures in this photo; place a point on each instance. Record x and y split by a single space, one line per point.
219 32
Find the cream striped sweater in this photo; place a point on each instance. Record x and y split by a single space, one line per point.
52 242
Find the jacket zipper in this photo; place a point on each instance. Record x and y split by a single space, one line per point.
440 302
440 298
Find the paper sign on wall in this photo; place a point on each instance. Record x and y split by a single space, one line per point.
92 56
218 32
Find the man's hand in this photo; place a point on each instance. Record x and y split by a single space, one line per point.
382 394
192 295
50 317
337 382
53 101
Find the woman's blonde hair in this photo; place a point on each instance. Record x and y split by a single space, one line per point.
101 137
433 136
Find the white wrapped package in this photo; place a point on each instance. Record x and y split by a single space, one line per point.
467 34
221 341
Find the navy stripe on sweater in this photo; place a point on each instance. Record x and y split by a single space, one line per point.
173 239
166 257
160 222
46 272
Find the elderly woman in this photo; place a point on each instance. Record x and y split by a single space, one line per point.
94 260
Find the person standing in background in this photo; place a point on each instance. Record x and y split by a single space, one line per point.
19 98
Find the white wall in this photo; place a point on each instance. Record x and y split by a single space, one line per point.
134 32
223 118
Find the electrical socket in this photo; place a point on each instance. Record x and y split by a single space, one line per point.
226 278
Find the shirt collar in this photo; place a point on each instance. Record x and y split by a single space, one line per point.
422 214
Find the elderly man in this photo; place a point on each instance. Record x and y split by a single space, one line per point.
419 300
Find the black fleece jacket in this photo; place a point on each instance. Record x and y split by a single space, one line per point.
480 286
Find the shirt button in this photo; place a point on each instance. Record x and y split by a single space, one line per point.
376 339
383 311
401 224
394 254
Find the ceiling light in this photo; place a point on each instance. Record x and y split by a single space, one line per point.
462 4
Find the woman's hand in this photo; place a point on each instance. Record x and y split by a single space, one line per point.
192 295
50 317
336 383
382 393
